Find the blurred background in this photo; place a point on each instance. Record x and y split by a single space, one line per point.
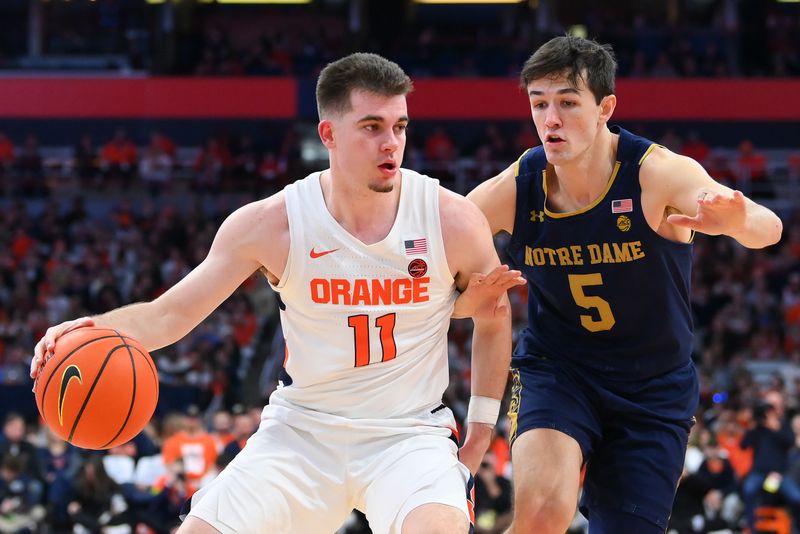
129 129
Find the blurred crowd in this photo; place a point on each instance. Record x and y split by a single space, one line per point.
698 38
244 163
705 39
94 230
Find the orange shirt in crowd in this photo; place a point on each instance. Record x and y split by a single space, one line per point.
199 453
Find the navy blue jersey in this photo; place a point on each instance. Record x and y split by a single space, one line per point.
606 292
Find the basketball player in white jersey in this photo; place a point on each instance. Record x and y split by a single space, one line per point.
368 260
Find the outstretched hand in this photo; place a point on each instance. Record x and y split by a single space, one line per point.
45 348
479 437
483 297
717 213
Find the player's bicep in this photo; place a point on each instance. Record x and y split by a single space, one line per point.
679 180
472 247
228 263
497 198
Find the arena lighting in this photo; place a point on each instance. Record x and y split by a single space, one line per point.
234 1
264 1
472 1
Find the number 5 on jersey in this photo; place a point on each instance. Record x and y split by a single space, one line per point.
360 325
605 320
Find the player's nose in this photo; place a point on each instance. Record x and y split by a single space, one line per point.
391 142
552 119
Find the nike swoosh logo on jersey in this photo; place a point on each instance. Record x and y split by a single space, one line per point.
315 255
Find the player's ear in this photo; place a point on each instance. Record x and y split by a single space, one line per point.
607 106
325 129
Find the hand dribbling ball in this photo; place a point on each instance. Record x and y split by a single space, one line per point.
98 390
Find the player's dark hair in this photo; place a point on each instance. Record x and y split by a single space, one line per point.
368 72
575 58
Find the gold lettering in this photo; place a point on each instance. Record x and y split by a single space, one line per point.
607 256
594 253
576 254
563 256
636 250
622 252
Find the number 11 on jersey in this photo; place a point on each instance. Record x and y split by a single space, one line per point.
360 325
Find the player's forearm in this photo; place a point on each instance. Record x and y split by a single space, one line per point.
762 228
491 356
144 323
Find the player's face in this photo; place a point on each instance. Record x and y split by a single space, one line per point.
567 118
367 142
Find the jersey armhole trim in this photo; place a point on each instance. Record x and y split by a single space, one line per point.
519 159
647 152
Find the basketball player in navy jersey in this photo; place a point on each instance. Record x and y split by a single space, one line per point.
601 225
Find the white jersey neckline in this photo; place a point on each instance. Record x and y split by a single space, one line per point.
319 197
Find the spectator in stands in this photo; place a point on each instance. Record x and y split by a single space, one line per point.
273 172
770 442
695 148
194 446
245 164
753 166
155 166
13 443
95 499
171 491
492 498
212 165
439 147
85 161
118 159
7 152
222 429
31 169
20 497
243 428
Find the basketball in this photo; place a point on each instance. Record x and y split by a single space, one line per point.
98 390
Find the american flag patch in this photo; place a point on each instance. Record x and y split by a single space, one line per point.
622 206
416 246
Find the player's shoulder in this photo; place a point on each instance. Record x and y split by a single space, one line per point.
660 163
460 218
246 227
269 211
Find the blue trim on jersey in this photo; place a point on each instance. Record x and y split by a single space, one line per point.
606 292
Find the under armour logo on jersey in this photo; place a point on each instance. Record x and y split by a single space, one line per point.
537 216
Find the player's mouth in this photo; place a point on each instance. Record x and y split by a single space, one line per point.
553 140
388 168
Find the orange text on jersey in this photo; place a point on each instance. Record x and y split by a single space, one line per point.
369 292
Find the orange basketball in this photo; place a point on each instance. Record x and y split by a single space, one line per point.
98 390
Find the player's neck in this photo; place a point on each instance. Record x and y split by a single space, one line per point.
366 214
583 180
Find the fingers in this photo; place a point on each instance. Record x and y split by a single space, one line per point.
45 348
37 359
684 221
709 198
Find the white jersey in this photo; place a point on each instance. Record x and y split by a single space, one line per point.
365 325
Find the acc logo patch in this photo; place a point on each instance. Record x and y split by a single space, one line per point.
417 268
623 223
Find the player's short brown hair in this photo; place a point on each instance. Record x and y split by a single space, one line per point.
575 58
368 72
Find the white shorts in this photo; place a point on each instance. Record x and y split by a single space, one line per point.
303 472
